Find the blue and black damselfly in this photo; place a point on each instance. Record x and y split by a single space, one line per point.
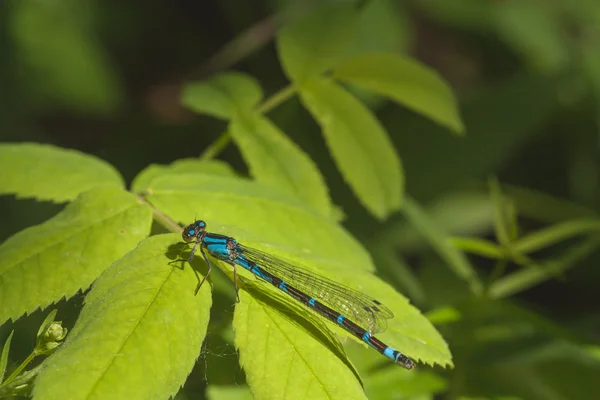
357 313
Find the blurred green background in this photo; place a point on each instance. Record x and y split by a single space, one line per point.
104 77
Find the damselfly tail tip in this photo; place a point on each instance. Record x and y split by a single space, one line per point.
405 362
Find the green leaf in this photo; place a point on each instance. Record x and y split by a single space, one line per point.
504 221
359 144
393 267
520 322
554 234
386 383
222 96
440 242
443 315
283 358
384 26
523 105
537 273
215 392
277 161
47 322
144 180
593 351
557 374
409 331
31 170
317 41
305 350
4 356
44 263
405 81
545 208
277 223
481 247
139 333
259 214
509 337
465 213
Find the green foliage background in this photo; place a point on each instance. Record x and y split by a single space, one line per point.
441 156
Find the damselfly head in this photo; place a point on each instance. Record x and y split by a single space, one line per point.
192 231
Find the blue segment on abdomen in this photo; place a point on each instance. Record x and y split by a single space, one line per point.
311 302
366 337
340 319
283 287
256 271
389 353
243 262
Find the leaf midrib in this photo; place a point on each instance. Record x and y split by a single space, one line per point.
314 374
126 339
274 156
62 240
369 158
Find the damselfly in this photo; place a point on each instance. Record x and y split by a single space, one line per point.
357 313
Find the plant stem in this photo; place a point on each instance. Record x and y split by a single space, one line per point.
497 272
163 219
276 99
20 368
246 43
18 387
218 145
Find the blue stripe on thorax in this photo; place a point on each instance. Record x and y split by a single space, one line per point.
218 250
211 238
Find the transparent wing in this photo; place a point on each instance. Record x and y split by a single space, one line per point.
364 310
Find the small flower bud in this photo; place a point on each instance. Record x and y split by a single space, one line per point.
49 346
55 332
